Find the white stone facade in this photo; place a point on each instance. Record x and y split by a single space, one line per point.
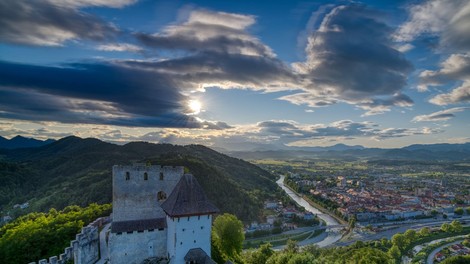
188 233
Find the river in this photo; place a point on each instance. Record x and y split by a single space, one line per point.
332 236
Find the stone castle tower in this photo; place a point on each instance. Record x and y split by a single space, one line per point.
159 212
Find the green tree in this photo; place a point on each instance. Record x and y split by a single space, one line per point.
424 232
466 242
410 235
291 246
468 210
456 226
459 211
445 227
434 212
259 256
366 255
41 235
457 260
394 252
229 234
399 240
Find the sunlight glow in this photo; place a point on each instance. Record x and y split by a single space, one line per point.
195 107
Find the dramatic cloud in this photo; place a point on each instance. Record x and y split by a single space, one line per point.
218 51
455 68
51 23
351 58
447 20
440 115
94 93
226 71
211 31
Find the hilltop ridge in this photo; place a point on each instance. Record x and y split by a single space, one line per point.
73 170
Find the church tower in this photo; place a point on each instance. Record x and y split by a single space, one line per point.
189 220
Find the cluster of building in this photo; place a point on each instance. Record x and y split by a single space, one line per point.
385 197
454 250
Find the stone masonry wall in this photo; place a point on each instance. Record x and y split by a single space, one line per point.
84 249
136 190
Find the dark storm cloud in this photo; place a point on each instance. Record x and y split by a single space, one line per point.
225 71
97 93
51 23
351 58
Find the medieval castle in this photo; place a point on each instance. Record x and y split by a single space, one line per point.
160 215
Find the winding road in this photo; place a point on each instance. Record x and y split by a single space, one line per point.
332 236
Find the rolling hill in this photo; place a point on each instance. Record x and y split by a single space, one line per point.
78 171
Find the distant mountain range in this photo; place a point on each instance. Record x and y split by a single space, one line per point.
431 152
441 151
22 142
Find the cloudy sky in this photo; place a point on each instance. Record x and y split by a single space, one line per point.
237 74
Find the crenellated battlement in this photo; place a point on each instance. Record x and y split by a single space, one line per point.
84 249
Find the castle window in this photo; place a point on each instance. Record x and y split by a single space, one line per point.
194 241
146 176
161 176
202 227
128 176
183 229
161 195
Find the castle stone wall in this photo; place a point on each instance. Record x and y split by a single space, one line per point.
137 246
135 196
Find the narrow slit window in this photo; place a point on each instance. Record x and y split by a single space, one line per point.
161 176
146 176
128 176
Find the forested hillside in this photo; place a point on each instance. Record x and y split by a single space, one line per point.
75 171
40 235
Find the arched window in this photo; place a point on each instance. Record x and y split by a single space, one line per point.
128 176
146 176
161 195
161 176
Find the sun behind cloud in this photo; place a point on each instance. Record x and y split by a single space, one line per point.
195 107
